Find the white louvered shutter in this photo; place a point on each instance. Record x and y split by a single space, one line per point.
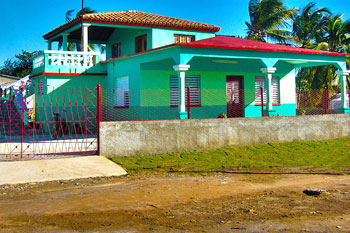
190 81
275 90
123 92
260 82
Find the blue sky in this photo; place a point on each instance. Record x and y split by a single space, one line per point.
24 22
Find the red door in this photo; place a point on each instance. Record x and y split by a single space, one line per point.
234 96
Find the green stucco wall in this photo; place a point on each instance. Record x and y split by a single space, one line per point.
74 97
155 95
126 36
156 37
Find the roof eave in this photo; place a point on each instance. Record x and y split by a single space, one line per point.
76 21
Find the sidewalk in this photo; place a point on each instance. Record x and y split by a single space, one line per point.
18 172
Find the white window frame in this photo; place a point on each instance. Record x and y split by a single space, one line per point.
260 81
192 81
123 92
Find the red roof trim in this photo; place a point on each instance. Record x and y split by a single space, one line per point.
316 52
209 43
136 54
68 74
150 25
227 42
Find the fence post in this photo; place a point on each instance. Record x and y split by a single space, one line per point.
349 99
262 101
189 102
325 94
98 116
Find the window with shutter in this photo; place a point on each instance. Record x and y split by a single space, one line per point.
141 44
195 90
260 83
275 90
41 87
123 92
183 38
116 50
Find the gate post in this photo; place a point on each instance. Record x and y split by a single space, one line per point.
98 115
188 102
22 122
262 101
325 95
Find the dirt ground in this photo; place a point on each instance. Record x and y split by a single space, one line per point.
173 202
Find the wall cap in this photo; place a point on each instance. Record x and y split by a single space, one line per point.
268 70
181 67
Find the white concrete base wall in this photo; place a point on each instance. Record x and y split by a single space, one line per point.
158 137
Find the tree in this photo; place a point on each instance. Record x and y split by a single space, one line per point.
337 37
76 46
87 10
20 66
322 33
309 25
268 21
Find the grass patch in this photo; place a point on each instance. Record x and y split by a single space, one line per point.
331 154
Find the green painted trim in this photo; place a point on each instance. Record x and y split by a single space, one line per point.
344 110
183 115
58 36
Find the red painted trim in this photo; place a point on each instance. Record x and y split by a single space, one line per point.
136 54
98 116
189 45
69 74
192 106
120 107
265 104
316 52
73 23
153 25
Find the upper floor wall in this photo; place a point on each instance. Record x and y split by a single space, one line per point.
124 41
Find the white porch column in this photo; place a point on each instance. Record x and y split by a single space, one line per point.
85 36
345 108
182 89
65 41
49 45
268 80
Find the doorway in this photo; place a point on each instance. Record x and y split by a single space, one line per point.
234 96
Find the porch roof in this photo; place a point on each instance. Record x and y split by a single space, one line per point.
228 42
135 18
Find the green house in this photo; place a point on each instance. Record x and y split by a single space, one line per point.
152 61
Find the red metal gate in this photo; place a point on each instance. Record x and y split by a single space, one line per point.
53 123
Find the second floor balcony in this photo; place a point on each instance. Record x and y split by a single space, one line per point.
67 62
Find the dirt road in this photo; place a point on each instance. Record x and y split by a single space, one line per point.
178 203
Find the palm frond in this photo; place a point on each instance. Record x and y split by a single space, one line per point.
69 15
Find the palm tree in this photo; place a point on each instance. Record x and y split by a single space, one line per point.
309 24
268 20
338 35
77 46
87 10
336 38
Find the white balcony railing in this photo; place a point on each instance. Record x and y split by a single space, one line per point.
68 58
51 59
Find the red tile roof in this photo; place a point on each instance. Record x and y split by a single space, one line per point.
227 42
136 18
